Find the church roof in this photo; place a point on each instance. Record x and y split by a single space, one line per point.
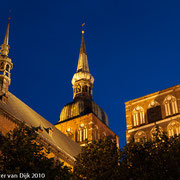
19 110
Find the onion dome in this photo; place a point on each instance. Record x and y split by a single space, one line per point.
80 107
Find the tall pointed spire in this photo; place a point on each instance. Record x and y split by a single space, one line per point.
5 46
82 80
5 66
83 61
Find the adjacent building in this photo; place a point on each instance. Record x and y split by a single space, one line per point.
161 108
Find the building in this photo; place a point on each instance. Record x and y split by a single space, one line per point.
161 108
83 119
13 111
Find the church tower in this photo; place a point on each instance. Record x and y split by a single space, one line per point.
5 67
83 119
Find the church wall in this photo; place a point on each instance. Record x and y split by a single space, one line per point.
8 123
95 128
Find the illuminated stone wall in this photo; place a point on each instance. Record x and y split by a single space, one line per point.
161 108
85 127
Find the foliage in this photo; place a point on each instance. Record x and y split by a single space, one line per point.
97 160
154 159
20 153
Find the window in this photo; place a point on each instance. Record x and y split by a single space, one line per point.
82 134
2 65
85 88
154 112
140 136
170 105
96 133
78 89
7 67
138 116
90 90
173 128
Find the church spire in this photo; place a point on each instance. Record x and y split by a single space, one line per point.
83 61
5 66
5 45
82 80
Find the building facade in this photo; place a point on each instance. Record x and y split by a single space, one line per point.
83 119
161 108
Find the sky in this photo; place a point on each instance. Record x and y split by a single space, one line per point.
133 49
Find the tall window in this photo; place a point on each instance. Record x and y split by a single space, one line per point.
82 134
170 105
138 116
96 133
154 112
140 136
173 128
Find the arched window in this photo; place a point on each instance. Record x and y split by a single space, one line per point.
138 116
83 134
96 133
78 89
7 67
170 105
173 128
154 112
2 65
140 136
80 135
90 90
85 88
154 131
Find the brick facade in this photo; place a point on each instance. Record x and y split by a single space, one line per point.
160 108
96 129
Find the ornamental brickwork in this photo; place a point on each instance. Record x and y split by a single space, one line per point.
161 108
87 127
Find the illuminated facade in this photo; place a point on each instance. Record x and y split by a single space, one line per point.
13 112
83 119
161 108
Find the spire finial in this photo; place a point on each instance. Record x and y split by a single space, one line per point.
83 62
83 28
5 45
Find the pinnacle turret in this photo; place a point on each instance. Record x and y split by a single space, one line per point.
5 66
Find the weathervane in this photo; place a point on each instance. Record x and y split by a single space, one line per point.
83 28
9 18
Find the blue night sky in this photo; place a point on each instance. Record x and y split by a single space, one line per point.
133 49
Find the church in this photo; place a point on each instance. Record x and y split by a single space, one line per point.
81 120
